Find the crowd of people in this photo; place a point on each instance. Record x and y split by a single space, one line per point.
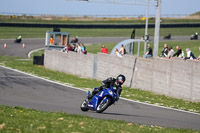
168 53
78 48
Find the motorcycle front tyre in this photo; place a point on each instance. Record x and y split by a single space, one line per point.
84 106
103 105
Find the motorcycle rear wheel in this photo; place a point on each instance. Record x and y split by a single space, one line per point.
84 106
103 105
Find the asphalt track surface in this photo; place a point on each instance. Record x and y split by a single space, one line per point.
18 89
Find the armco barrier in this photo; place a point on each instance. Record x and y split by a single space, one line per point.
176 77
99 26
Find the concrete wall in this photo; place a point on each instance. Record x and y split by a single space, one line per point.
73 63
175 77
112 66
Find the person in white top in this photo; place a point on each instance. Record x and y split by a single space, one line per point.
190 55
117 53
122 50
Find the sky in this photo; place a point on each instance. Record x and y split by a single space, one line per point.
70 7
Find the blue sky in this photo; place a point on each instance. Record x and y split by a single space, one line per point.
66 7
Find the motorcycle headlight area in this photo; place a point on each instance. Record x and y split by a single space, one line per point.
111 92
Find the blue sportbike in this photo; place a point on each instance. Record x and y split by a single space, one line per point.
100 101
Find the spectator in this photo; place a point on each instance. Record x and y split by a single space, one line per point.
122 50
69 48
66 49
199 55
83 49
73 47
170 53
104 49
179 53
117 53
164 52
51 40
190 55
149 52
78 48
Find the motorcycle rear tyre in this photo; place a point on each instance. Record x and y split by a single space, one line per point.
105 105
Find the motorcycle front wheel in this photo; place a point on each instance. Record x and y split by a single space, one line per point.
104 104
84 106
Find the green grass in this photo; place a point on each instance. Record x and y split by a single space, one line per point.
13 32
17 120
130 93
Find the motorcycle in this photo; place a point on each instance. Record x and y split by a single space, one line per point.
17 40
101 101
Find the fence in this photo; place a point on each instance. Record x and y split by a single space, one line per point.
176 77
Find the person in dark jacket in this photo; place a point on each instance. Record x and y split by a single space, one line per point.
164 52
179 53
116 83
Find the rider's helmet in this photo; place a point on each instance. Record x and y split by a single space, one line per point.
120 79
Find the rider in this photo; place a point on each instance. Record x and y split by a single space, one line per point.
116 83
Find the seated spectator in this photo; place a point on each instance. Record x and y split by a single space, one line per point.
179 53
199 55
78 48
83 49
117 53
170 53
69 48
122 50
190 55
104 49
66 49
164 52
74 47
149 52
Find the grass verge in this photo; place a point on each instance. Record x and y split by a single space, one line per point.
13 32
17 120
130 93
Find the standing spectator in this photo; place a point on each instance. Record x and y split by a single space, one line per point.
179 53
51 40
149 52
104 49
164 52
190 55
199 55
117 53
122 50
170 53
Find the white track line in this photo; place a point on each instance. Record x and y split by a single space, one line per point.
29 54
86 91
